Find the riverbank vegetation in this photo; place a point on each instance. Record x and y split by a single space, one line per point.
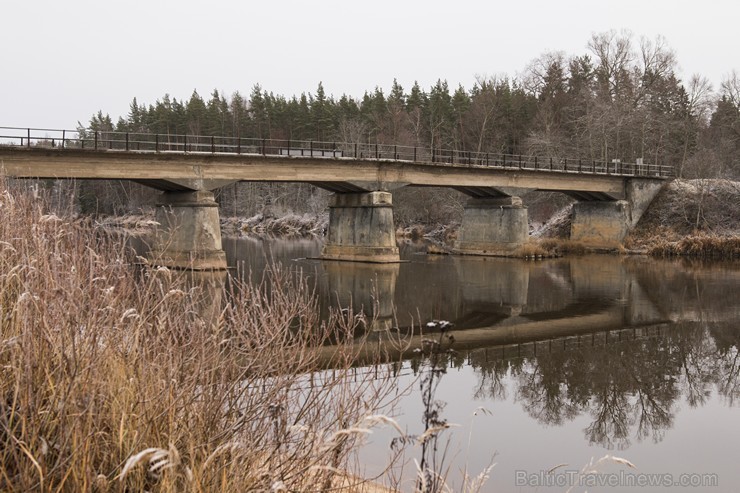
118 380
698 218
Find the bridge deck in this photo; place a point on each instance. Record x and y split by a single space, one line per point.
146 157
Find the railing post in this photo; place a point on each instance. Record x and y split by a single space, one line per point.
433 153
395 152
64 138
29 137
239 145
487 163
356 150
310 146
213 144
377 154
535 163
550 163
414 153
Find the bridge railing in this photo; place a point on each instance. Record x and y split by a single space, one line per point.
288 148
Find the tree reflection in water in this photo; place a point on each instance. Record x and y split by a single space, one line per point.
629 382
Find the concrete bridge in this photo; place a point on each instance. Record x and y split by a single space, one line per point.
611 196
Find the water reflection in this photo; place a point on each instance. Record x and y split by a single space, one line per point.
366 288
619 341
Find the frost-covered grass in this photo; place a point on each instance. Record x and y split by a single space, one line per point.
113 380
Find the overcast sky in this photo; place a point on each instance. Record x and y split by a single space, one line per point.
64 60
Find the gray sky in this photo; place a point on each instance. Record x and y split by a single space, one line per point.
64 60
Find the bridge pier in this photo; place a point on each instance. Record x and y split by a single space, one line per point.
495 226
600 224
361 228
189 232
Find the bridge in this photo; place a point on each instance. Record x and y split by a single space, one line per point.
187 168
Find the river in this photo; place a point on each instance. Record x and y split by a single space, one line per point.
548 363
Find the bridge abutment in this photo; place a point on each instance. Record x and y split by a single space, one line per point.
361 228
495 226
605 224
189 232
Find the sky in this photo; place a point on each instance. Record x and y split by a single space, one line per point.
63 60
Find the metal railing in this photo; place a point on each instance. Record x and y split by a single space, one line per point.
287 148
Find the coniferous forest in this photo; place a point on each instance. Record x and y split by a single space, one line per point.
620 99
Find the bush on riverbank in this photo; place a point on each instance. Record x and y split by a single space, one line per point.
116 381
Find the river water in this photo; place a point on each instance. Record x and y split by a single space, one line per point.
548 363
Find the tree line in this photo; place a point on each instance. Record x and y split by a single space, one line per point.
622 99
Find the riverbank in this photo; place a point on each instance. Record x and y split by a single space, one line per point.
698 218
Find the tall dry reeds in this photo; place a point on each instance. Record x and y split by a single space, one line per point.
113 380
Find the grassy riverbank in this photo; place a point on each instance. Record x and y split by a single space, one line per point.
118 380
699 218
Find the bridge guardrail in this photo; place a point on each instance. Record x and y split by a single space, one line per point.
287 148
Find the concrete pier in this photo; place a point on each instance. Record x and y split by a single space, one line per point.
361 228
495 226
189 232
600 224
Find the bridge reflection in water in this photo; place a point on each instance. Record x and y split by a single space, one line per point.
490 302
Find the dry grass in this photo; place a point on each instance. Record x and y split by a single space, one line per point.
116 381
696 245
